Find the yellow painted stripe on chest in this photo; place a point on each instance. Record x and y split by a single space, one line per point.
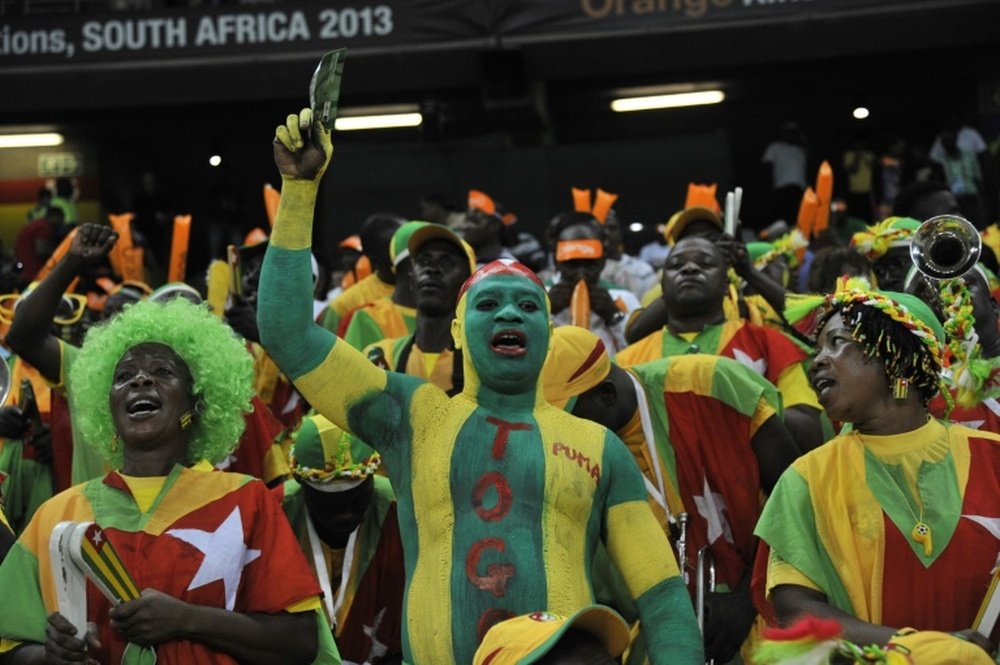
574 452
436 422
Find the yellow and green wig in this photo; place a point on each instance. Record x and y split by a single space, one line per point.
221 370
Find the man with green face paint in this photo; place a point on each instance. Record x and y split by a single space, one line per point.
502 498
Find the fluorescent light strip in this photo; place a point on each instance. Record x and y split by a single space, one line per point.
667 101
386 121
30 140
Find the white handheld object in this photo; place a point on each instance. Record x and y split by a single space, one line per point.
69 579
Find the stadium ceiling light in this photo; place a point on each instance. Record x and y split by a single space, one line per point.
669 101
37 140
636 227
860 113
379 117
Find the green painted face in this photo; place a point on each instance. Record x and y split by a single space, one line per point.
507 333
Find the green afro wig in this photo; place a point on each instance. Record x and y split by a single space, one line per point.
220 366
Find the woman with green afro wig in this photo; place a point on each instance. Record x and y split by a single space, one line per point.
205 567
219 365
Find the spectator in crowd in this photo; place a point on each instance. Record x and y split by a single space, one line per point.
376 238
695 287
438 451
580 259
35 242
891 524
164 388
786 156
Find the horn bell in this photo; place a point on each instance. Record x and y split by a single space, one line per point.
945 246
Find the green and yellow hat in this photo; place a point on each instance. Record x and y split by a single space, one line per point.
879 238
399 246
328 458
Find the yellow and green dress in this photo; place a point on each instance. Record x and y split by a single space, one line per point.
207 538
692 438
843 520
501 502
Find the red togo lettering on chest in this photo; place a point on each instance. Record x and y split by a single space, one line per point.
496 576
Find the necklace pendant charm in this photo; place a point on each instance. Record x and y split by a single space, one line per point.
922 534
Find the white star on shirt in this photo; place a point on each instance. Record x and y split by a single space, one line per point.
758 365
710 506
225 554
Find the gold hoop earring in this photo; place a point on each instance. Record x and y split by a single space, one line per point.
114 442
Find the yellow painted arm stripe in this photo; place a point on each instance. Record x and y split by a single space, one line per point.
642 567
339 382
294 220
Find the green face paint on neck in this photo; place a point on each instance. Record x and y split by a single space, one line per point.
507 334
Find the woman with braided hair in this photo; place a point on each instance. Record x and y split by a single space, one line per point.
161 391
894 523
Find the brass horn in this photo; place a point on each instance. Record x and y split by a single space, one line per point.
945 246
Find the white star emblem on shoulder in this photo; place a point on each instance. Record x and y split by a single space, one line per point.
226 554
758 365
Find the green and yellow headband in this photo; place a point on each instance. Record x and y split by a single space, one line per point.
903 308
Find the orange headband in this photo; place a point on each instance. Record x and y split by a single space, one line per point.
481 201
579 249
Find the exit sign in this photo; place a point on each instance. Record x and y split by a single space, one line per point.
60 164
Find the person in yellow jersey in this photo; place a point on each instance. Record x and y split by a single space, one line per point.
502 498
394 315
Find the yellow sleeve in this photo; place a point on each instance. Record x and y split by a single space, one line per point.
780 571
8 645
761 415
795 388
305 605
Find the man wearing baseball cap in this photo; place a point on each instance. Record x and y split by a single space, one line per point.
441 262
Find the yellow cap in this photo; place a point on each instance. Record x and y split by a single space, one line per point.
680 220
434 231
577 362
930 647
527 638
